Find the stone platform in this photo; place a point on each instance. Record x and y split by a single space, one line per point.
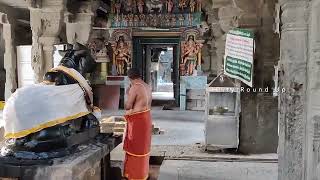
192 90
204 170
90 161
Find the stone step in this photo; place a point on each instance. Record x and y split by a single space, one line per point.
119 130
107 119
120 124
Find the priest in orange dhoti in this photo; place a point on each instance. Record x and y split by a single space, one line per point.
137 140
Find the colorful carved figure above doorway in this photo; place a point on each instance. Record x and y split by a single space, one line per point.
121 46
122 56
190 54
182 4
170 5
192 4
154 6
140 5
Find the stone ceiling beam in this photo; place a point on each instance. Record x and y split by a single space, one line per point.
16 13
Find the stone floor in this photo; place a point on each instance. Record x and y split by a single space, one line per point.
181 128
202 170
186 158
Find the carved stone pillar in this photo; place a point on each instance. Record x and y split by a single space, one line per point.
10 59
79 24
313 95
293 61
2 71
228 19
45 20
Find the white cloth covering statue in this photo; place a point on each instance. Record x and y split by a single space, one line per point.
39 118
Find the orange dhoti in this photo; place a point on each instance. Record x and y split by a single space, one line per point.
137 145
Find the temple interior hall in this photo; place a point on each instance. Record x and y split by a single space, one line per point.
234 84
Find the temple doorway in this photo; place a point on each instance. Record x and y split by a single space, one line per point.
158 60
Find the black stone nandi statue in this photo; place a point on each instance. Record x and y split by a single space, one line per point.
41 119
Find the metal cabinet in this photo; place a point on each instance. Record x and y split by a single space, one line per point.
222 113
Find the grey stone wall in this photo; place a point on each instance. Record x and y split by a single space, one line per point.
299 141
259 117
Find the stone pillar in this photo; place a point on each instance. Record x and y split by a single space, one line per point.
2 71
228 19
10 59
259 125
293 61
79 24
313 95
45 20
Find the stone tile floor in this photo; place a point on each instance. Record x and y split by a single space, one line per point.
201 170
186 159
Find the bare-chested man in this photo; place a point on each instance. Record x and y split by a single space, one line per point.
139 94
138 134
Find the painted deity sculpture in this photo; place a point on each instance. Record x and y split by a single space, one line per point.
121 52
181 19
154 4
125 20
118 7
167 20
182 4
113 7
170 5
130 20
173 20
129 6
199 5
142 18
192 5
117 21
190 54
140 5
136 20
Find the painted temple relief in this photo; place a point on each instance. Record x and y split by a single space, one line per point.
154 6
170 5
121 46
155 13
190 53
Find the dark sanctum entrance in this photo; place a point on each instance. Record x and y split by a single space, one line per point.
158 60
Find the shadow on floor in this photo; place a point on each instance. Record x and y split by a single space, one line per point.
155 164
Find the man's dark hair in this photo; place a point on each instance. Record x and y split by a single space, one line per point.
134 73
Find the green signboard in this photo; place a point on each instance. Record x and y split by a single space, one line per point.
239 52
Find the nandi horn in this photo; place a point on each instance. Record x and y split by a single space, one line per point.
66 48
77 46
